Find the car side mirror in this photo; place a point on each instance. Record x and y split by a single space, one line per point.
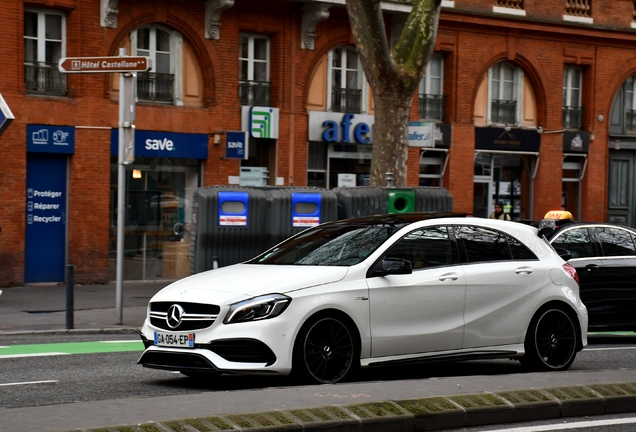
564 253
394 266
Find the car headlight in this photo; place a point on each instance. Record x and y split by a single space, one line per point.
257 308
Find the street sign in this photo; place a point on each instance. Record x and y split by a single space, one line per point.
6 116
104 64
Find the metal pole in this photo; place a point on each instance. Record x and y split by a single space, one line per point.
70 307
389 179
121 198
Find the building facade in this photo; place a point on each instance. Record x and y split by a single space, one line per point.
527 102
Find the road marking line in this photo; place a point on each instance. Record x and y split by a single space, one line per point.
582 424
122 341
29 382
609 349
71 348
33 355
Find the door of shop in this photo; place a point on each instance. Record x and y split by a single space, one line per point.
621 200
45 249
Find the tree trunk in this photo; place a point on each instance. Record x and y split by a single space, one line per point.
393 77
390 138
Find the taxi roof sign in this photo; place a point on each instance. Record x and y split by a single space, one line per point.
104 64
558 215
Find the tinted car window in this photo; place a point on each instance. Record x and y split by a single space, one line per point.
520 251
615 241
337 244
575 240
424 248
482 245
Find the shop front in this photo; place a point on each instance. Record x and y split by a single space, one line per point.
159 188
433 139
339 149
506 162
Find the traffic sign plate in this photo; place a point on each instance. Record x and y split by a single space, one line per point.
104 64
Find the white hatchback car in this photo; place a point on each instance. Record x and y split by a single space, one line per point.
374 291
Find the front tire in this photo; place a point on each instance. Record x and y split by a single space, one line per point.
326 350
551 341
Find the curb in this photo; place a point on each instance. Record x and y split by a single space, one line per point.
422 414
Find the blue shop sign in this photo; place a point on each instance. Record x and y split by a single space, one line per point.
50 139
236 145
164 144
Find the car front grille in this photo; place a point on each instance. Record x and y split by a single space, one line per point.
195 316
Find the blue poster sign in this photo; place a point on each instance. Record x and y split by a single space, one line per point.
50 139
236 145
45 243
164 144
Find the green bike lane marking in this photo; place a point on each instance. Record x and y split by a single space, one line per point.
35 350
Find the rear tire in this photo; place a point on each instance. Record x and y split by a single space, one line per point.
551 341
326 350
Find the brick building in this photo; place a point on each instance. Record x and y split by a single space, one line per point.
532 103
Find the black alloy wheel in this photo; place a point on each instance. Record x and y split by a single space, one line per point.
327 350
551 341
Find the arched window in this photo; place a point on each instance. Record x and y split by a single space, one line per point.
505 94
346 81
163 82
623 116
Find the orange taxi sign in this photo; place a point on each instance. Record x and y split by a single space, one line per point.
104 64
558 215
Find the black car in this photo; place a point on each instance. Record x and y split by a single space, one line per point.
604 256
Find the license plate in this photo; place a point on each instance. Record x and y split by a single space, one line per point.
182 340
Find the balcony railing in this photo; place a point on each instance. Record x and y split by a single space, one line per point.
346 100
503 111
573 117
44 78
513 4
253 93
578 8
630 121
155 87
431 107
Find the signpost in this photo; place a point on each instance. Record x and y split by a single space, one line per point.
6 116
126 67
104 64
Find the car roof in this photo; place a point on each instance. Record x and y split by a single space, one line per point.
396 218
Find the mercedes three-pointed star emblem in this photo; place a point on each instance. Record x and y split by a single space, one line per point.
174 316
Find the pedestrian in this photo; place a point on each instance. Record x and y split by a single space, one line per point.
499 212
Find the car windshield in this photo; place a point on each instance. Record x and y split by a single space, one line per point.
337 244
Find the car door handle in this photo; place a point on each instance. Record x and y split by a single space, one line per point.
523 270
592 267
448 276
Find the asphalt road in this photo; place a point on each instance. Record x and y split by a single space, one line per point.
59 392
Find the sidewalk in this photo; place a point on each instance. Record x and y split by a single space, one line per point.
37 308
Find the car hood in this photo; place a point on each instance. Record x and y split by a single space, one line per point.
237 282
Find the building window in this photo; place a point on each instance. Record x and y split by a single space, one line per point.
163 84
623 115
254 85
346 79
431 98
504 91
44 45
512 4
579 8
572 109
